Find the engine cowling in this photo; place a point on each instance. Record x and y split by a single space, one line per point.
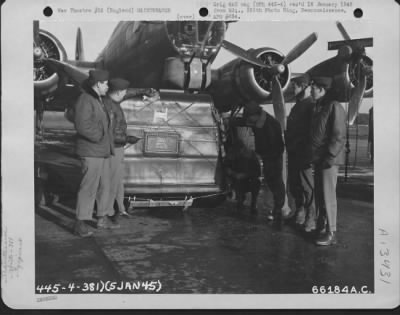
352 74
44 78
239 82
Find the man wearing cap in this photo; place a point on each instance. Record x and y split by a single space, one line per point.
117 91
269 145
94 146
328 133
298 146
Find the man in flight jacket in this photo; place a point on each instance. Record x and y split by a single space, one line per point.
94 146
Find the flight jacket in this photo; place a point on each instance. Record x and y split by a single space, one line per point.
119 125
328 132
93 126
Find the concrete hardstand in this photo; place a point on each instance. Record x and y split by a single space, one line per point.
209 250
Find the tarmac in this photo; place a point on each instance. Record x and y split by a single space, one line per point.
210 250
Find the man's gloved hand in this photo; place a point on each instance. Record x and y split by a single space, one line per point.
151 94
132 139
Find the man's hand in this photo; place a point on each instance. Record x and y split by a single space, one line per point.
151 94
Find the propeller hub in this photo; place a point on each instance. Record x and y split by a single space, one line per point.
277 69
345 52
280 68
37 52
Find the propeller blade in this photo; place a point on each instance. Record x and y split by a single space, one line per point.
356 98
36 32
280 114
79 54
278 102
242 54
342 31
74 73
300 48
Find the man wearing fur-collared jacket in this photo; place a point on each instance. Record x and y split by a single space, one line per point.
328 134
94 146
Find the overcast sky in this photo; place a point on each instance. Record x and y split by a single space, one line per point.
282 36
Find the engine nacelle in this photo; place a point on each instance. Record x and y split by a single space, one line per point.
44 78
239 82
346 76
352 74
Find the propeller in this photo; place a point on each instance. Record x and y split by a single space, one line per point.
278 100
358 91
275 70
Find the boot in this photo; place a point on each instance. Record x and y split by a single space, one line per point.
321 227
329 238
105 223
300 216
81 229
124 214
310 225
277 221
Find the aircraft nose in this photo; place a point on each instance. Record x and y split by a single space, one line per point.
201 38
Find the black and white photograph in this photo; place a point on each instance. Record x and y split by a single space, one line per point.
203 156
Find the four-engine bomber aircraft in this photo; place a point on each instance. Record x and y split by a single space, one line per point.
179 155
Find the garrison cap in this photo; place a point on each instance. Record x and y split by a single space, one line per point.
118 84
98 76
325 82
302 79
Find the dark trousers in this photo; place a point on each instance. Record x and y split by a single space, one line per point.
272 169
301 186
96 174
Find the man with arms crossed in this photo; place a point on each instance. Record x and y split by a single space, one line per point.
117 91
